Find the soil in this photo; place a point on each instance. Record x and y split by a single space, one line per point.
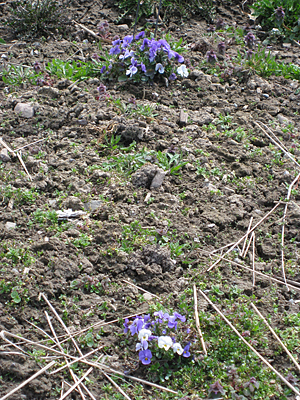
202 211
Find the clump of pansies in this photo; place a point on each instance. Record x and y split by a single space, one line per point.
141 59
163 332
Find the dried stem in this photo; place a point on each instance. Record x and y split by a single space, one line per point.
136 17
28 380
74 377
23 147
286 152
197 320
246 238
249 345
19 154
76 360
253 259
243 237
116 386
256 272
283 227
76 384
157 18
249 244
138 287
276 336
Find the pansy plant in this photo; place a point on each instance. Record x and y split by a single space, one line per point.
161 332
142 59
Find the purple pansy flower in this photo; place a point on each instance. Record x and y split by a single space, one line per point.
145 356
137 324
127 40
102 69
186 351
126 325
140 35
146 42
116 42
178 57
172 77
179 316
143 67
115 50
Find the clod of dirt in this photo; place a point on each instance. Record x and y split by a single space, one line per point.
144 176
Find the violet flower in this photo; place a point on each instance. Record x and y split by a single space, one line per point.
140 35
136 326
132 70
143 67
160 68
172 77
249 39
221 48
37 67
186 351
145 356
115 50
127 40
178 57
216 388
126 325
220 23
249 54
279 14
102 70
211 57
179 316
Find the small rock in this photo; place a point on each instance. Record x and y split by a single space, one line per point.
24 110
183 117
265 95
286 45
158 179
92 205
10 225
283 120
147 296
52 203
195 74
49 91
72 202
4 157
123 27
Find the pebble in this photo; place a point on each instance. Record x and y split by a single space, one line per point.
10 225
92 205
147 296
24 110
266 95
4 157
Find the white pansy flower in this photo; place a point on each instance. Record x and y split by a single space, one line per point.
144 334
182 71
165 342
177 348
159 67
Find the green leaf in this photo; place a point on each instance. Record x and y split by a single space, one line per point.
15 296
122 78
2 41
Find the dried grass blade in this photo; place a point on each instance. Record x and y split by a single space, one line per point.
23 164
243 237
246 238
116 386
276 336
197 320
253 259
76 384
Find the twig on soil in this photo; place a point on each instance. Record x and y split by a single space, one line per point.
96 325
7 147
23 147
246 238
159 7
221 248
256 272
249 345
19 154
286 152
283 225
116 386
138 287
76 360
28 380
249 244
76 384
91 32
197 320
276 336
253 259
243 237
75 379
295 41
